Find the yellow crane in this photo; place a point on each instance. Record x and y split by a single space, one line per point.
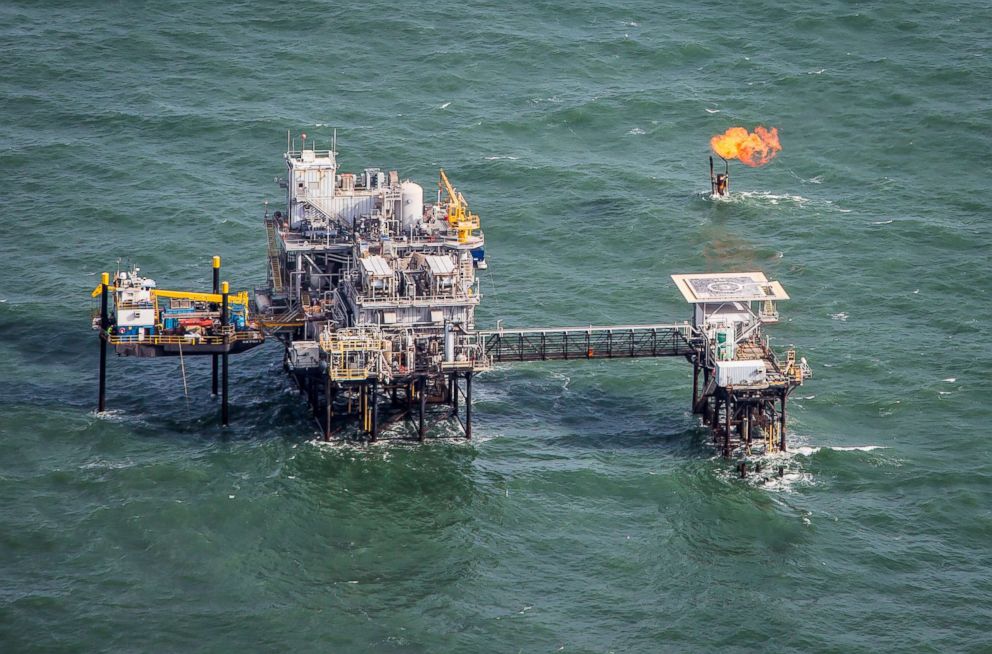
459 215
233 298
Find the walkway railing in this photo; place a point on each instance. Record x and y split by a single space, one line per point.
609 342
187 339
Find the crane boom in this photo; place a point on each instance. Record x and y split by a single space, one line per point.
233 298
459 215
238 298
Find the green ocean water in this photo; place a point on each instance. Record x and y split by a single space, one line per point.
591 513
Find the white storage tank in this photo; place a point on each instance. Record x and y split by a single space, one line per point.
411 204
740 373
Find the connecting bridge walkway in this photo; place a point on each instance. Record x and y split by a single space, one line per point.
566 343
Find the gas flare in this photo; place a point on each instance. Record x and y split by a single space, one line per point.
753 149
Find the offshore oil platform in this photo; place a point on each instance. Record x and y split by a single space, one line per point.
372 292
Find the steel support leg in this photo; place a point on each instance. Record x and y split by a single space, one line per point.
224 414
422 397
224 409
329 409
782 425
747 425
726 432
101 403
363 407
314 396
454 393
695 383
374 410
468 404
214 357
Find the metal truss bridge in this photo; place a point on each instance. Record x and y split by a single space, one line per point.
566 343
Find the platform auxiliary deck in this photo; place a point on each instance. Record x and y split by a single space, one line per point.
372 292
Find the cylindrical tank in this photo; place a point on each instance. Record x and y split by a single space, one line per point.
411 204
725 345
449 343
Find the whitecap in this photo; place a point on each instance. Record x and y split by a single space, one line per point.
815 72
445 105
712 111
636 130
498 158
842 316
771 198
858 448
808 450
882 222
950 380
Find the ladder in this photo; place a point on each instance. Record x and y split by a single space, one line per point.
274 263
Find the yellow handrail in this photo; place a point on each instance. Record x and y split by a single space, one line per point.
188 339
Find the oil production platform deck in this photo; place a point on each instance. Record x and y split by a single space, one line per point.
372 292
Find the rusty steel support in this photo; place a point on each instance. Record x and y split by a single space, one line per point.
726 432
454 393
213 357
224 414
313 395
101 404
331 392
468 404
695 383
422 397
782 423
374 418
749 413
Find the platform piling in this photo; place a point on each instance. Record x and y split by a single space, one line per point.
422 397
468 404
454 393
782 424
695 382
104 323
224 415
374 418
214 362
330 394
726 430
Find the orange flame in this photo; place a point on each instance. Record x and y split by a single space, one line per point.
755 149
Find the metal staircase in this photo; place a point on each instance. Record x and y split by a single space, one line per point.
274 264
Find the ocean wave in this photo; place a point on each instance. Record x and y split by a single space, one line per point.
809 450
760 197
